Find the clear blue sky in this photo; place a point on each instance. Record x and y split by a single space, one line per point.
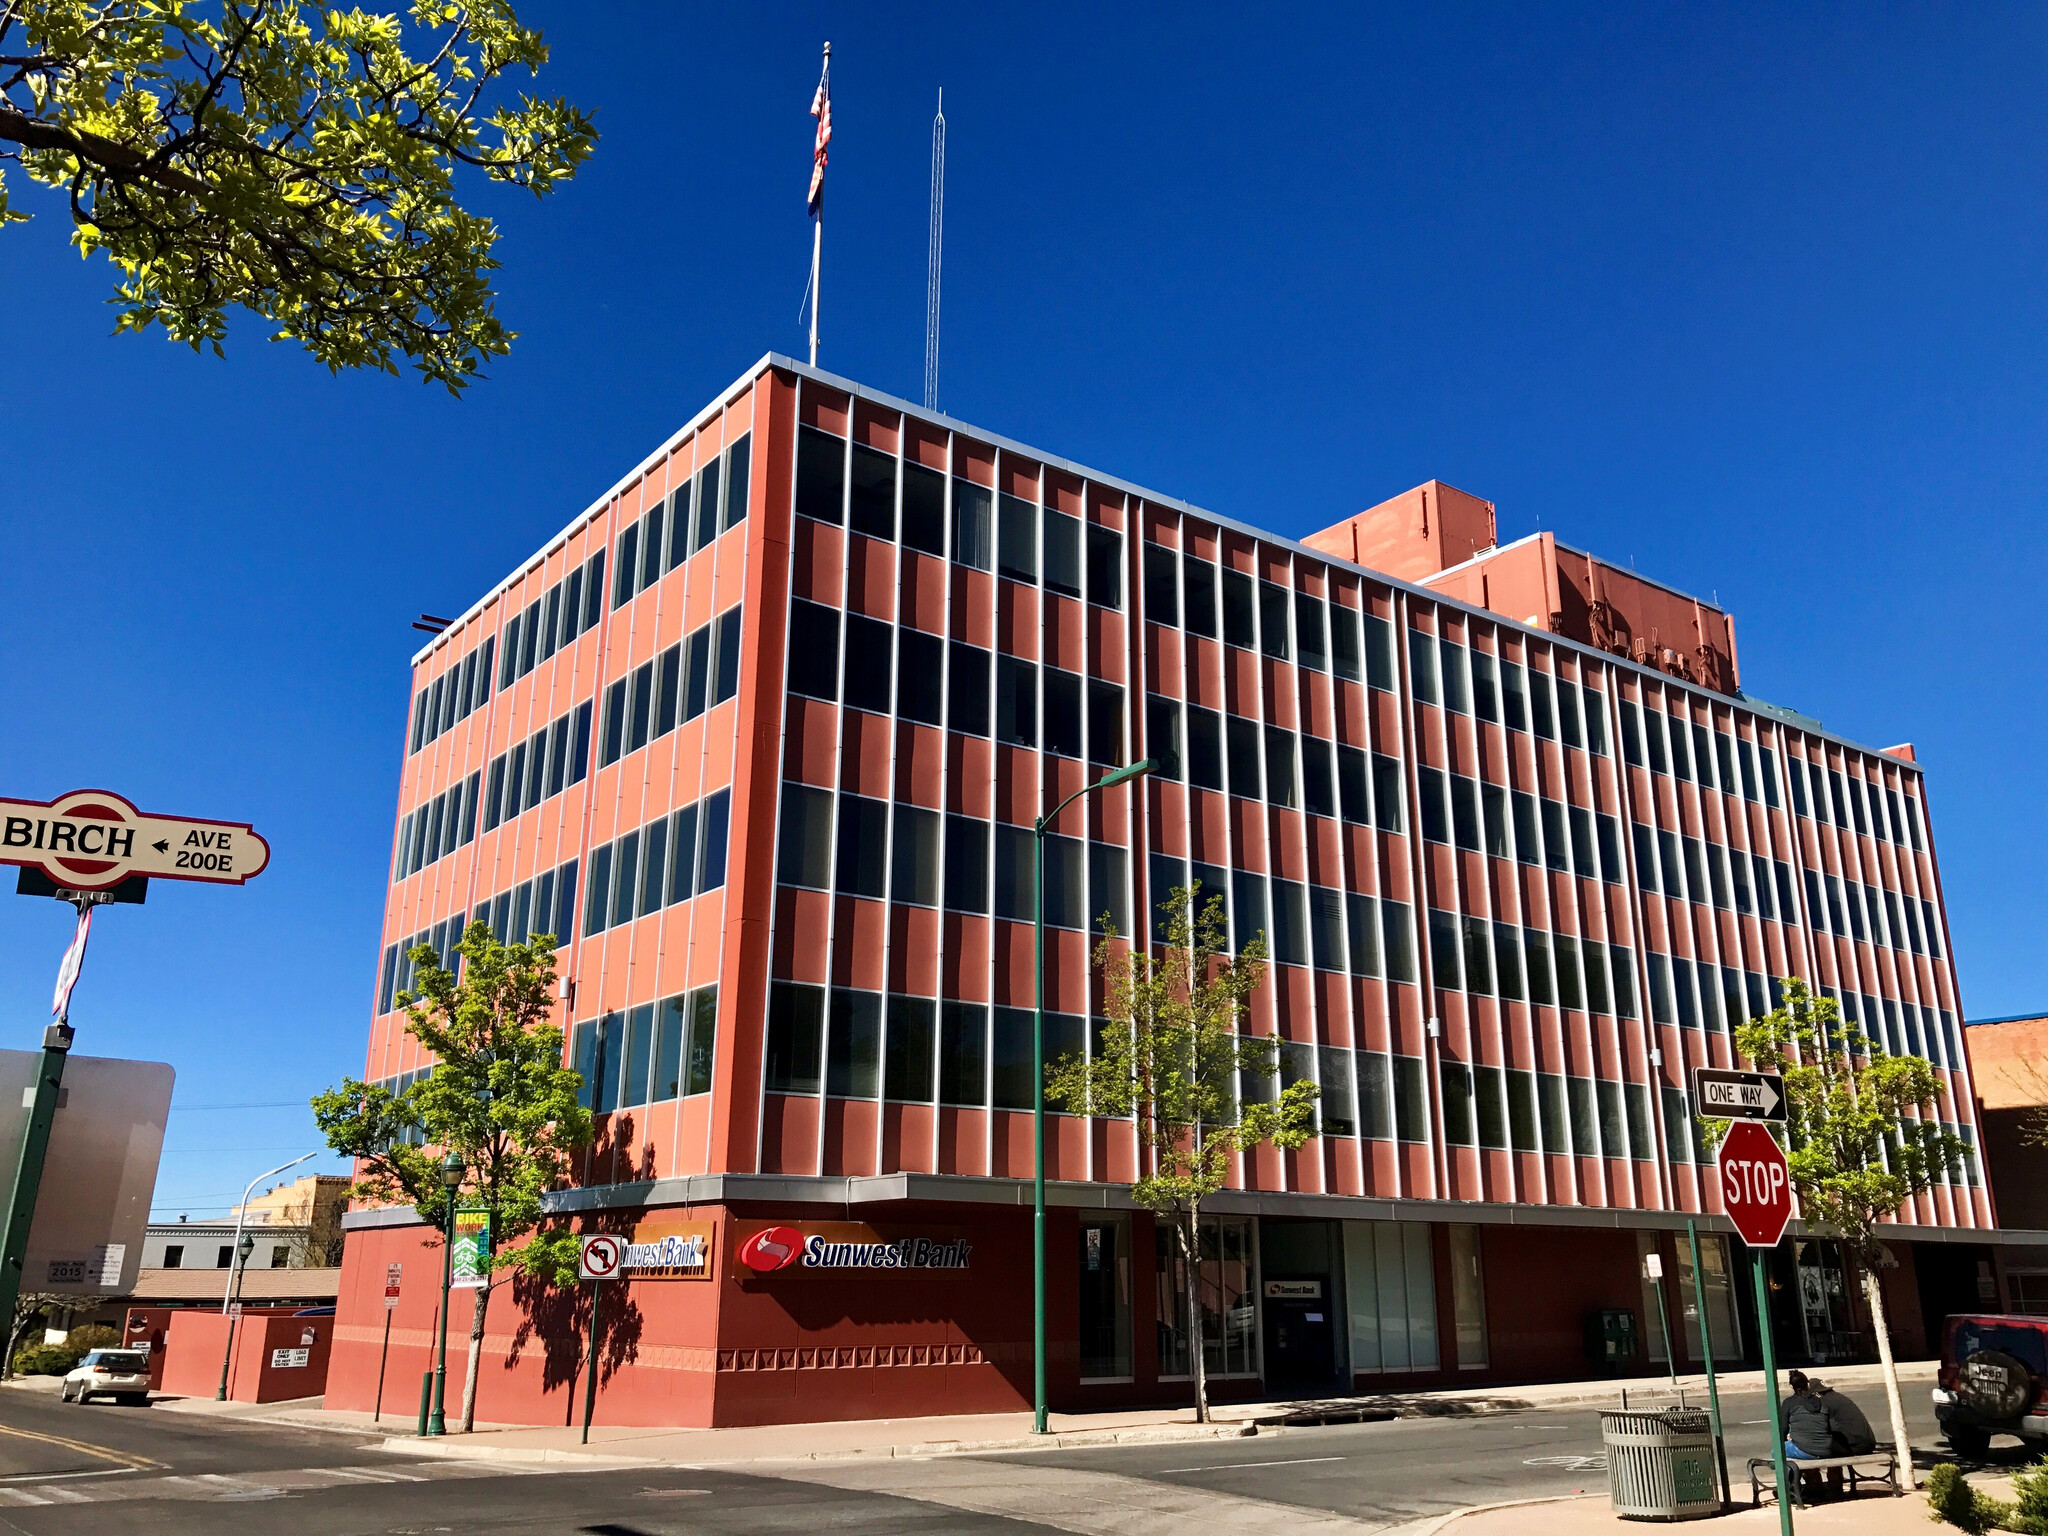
1749 298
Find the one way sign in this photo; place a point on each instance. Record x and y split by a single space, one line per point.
1723 1095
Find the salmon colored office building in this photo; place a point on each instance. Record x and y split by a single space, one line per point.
761 735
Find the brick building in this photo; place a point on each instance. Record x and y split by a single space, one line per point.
761 735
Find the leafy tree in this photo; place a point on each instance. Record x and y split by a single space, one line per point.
1855 1159
498 1095
31 1311
298 163
1174 1059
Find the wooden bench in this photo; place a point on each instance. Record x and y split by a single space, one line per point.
1878 1466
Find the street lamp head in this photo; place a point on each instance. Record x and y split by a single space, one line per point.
247 1246
1116 776
452 1171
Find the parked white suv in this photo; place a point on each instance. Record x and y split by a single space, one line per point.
122 1374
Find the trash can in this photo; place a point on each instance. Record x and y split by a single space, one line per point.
1660 1466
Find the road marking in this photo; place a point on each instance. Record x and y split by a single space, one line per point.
68 1496
44 1477
1570 1463
1233 1466
1747 1422
103 1452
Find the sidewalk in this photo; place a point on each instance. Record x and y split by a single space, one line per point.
966 1433
1876 1514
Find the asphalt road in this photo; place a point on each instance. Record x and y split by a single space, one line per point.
1409 1468
70 1470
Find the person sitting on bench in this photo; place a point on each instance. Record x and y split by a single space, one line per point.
1851 1431
1808 1435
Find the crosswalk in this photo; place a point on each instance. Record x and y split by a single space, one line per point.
237 1487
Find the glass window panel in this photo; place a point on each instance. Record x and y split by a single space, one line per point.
854 1044
913 1024
924 509
796 1016
966 864
1017 538
1105 567
973 535
1198 594
967 687
963 1053
874 492
916 876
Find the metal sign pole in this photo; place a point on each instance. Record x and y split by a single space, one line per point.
1699 1302
28 1168
1664 1321
1763 1328
383 1359
590 1378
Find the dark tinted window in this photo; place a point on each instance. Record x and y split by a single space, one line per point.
968 684
1205 747
1062 553
920 666
1016 702
1105 567
1062 713
868 665
1198 591
1162 594
820 476
813 651
924 509
874 492
1016 538
1239 625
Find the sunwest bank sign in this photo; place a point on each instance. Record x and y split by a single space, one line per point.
765 1249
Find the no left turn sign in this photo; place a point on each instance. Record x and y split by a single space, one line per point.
601 1257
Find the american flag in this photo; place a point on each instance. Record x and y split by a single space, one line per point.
821 109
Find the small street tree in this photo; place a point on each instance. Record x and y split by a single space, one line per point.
498 1096
295 160
30 1310
1173 1060
1855 1158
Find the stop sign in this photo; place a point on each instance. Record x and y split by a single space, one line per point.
1756 1187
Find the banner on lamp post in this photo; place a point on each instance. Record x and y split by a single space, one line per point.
470 1258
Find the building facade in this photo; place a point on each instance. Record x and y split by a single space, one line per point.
761 737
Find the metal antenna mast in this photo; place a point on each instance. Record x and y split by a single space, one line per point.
935 258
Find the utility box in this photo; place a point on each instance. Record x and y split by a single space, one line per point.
1611 1343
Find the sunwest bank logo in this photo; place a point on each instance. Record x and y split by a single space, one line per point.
848 1246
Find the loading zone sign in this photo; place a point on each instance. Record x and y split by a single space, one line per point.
93 839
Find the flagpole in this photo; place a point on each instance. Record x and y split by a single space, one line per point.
824 101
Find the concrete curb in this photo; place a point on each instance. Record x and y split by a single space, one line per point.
461 1449
1429 1525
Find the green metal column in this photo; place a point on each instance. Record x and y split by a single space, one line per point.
28 1168
437 1421
1038 1418
1770 1353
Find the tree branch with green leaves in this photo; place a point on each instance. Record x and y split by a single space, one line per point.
299 162
1173 1061
498 1096
1855 1155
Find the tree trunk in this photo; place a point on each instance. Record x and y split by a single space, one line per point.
1873 1291
1191 1250
480 1305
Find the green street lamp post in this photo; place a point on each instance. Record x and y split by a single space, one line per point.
452 1172
233 1308
1039 829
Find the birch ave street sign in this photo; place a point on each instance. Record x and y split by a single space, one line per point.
1724 1095
93 839
1756 1186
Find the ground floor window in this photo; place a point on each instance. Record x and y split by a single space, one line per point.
2029 1288
1390 1287
1715 1286
1105 1300
1223 1288
1468 1298
1824 1301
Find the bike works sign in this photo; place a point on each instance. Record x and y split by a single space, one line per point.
762 1248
